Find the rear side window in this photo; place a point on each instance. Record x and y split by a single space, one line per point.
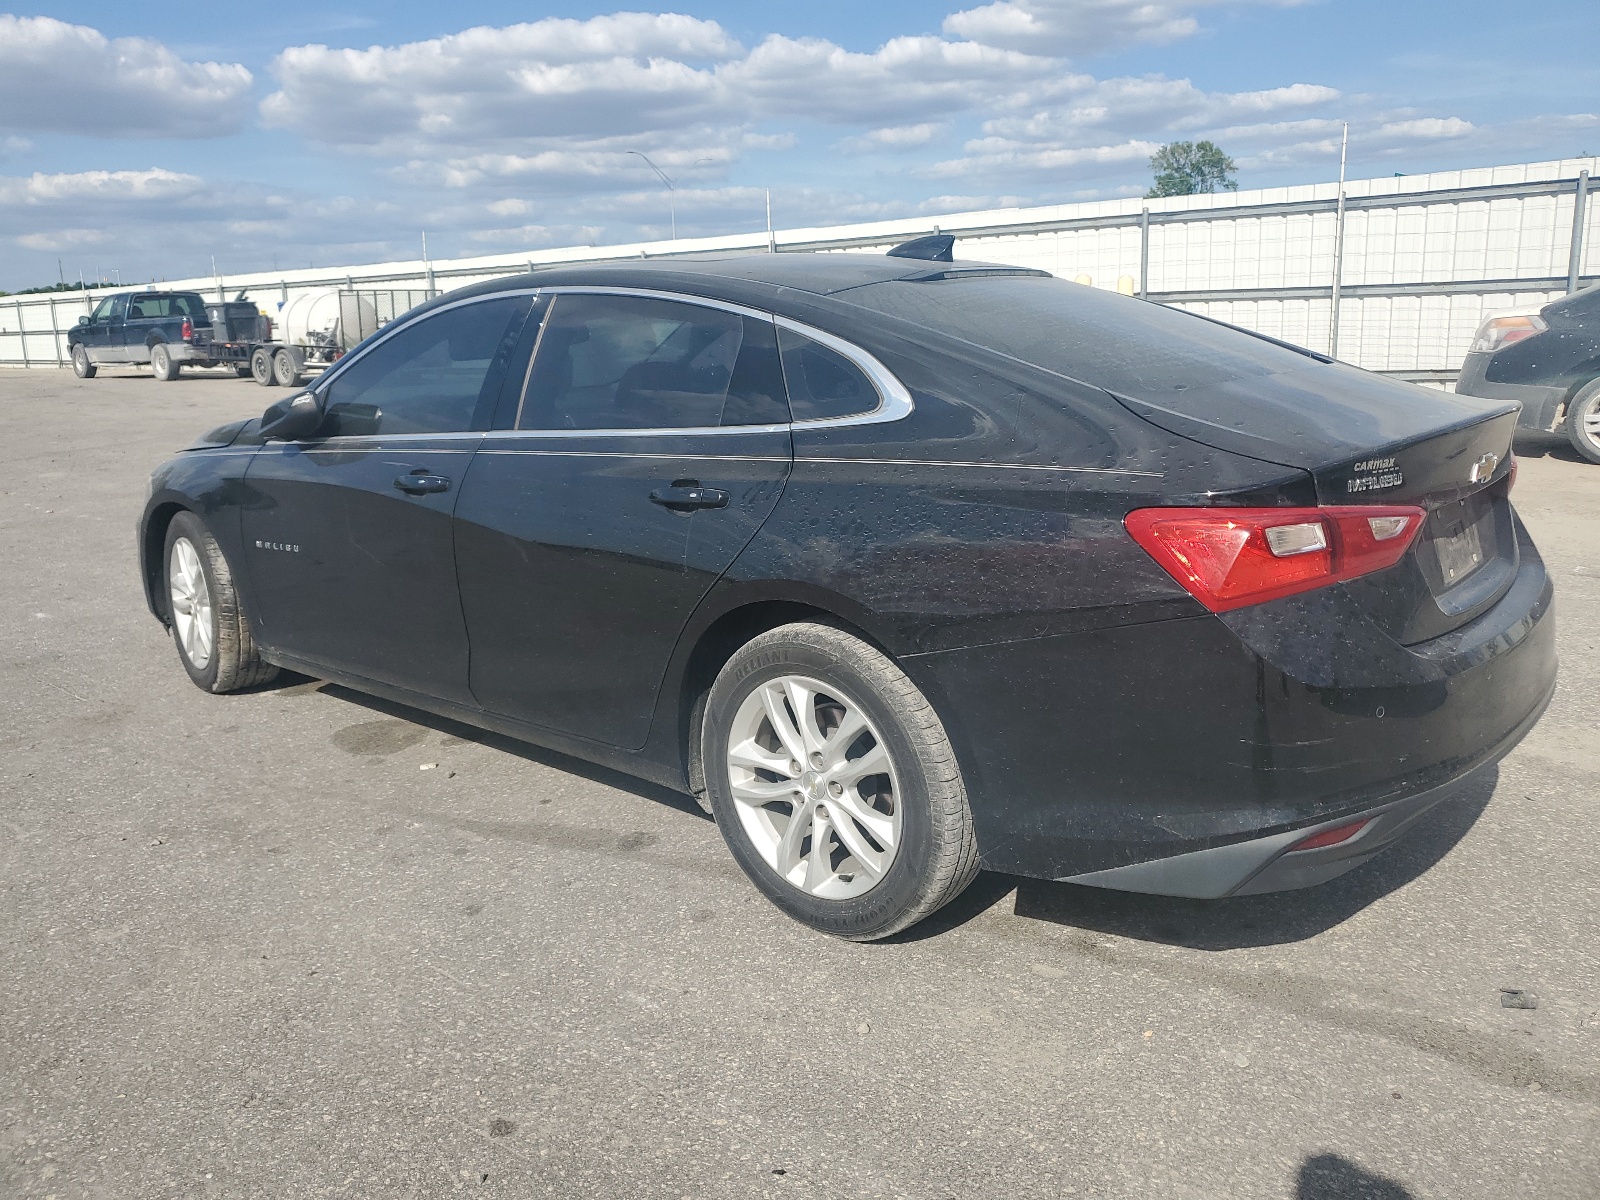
822 382
636 362
432 376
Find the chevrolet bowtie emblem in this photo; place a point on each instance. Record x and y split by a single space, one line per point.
1483 468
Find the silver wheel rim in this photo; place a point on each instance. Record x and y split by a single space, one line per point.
191 603
1590 423
815 787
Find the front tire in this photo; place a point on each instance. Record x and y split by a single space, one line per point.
81 366
209 626
162 365
1583 421
834 784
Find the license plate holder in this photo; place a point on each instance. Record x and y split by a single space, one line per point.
1460 554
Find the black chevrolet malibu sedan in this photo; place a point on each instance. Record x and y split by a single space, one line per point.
904 567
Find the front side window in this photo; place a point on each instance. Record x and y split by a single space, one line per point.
636 362
438 375
102 311
822 382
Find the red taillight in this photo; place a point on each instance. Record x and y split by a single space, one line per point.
1331 837
1228 558
188 329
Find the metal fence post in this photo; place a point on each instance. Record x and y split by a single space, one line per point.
1144 252
55 332
1575 253
22 335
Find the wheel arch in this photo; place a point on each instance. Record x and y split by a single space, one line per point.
152 552
737 624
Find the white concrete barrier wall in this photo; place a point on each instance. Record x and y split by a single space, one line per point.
1425 259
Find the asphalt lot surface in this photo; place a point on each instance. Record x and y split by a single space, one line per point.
248 947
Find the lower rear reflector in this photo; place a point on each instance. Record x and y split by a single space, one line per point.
1331 837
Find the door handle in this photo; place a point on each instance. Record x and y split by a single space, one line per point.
420 483
685 497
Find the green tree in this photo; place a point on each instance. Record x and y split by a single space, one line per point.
1186 168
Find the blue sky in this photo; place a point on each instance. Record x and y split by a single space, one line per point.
139 145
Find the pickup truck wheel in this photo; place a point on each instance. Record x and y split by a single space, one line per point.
162 365
261 368
1583 421
286 369
81 366
209 626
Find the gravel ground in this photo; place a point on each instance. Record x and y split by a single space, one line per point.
248 947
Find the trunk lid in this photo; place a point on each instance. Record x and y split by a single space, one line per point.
1369 440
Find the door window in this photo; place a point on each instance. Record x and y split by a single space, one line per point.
102 311
635 362
441 374
822 382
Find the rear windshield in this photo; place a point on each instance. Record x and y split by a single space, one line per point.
1111 341
180 304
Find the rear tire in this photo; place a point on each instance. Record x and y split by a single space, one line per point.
81 366
286 369
209 626
1583 421
261 368
910 847
162 365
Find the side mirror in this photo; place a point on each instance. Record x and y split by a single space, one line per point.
83 320
289 420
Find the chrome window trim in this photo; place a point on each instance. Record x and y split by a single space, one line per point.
676 431
894 400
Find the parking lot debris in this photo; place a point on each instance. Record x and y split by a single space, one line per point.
500 1127
1517 998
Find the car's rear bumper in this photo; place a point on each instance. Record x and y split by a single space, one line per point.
1541 403
1121 754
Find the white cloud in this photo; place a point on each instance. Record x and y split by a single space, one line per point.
106 187
64 239
629 73
904 79
1424 129
893 138
1080 27
61 78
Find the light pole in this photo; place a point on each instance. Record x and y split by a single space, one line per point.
672 199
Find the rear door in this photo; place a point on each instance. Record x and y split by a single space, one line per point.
651 442
349 535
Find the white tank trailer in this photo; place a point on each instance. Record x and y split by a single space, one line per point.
310 332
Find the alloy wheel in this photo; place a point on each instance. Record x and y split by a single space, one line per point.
191 604
814 787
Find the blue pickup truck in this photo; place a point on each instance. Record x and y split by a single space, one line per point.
166 330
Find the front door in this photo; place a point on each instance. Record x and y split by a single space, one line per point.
349 535
102 336
652 442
